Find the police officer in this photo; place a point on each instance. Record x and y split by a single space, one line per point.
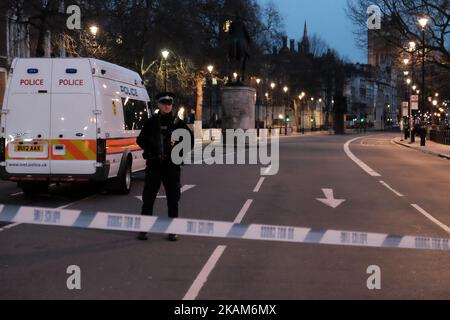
156 141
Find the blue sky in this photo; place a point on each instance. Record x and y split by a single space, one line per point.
327 19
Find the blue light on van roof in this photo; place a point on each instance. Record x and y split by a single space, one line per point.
71 70
32 71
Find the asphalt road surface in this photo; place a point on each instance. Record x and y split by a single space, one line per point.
114 265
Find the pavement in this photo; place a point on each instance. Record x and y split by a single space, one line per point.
431 147
410 196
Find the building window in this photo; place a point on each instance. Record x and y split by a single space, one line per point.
135 113
362 92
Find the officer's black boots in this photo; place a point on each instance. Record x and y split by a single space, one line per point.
142 236
172 237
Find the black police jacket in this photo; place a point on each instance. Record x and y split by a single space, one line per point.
156 137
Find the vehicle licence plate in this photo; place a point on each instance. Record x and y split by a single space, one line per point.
29 148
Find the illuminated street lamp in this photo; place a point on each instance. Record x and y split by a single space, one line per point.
285 89
210 69
165 55
94 30
272 86
423 21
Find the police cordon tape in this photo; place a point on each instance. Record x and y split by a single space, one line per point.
215 229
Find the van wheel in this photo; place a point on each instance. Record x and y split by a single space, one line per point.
122 184
33 188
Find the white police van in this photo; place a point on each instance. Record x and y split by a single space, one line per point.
71 120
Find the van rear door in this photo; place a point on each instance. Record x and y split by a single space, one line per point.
73 122
27 121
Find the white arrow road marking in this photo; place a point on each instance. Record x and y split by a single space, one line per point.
330 200
183 189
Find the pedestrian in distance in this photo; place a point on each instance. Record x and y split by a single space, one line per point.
156 141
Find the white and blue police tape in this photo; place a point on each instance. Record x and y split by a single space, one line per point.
216 229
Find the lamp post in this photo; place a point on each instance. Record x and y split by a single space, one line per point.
411 121
210 69
285 89
302 98
165 55
423 23
272 86
258 82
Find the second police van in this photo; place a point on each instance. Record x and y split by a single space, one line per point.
72 120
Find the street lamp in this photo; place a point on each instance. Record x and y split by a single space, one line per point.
302 101
285 89
94 30
165 55
423 23
272 86
258 81
210 69
411 122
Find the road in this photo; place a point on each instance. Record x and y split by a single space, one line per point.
114 265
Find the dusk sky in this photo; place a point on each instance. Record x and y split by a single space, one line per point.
327 19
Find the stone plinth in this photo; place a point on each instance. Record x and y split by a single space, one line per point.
238 108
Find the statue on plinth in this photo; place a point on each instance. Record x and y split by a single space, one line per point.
238 51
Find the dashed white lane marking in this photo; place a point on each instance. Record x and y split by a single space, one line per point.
243 211
202 277
363 166
430 217
392 189
9 226
268 170
258 186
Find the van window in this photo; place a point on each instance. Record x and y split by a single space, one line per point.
135 113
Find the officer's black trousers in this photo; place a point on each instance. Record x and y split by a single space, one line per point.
169 175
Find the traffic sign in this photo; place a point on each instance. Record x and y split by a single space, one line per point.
405 109
414 102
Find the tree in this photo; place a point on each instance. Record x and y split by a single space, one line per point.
43 18
402 17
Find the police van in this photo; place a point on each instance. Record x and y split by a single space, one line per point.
72 120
